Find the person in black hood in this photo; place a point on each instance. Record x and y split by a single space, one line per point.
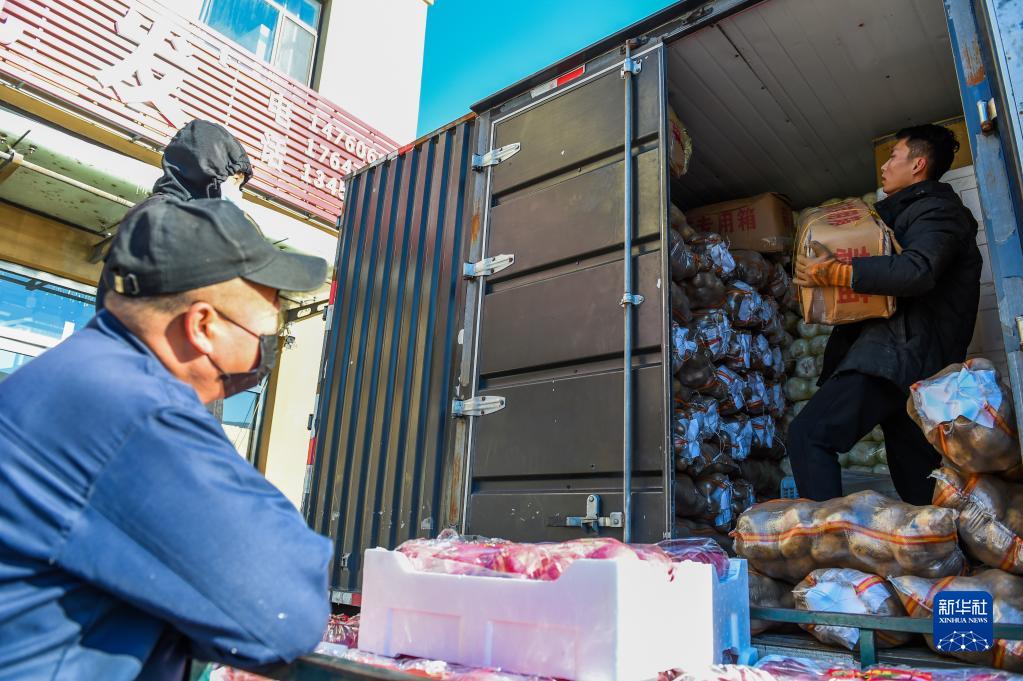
870 365
202 161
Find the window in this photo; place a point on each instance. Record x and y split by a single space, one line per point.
37 311
281 32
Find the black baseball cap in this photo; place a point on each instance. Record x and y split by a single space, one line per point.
173 246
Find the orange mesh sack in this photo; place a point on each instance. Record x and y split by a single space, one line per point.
967 414
765 592
789 539
853 592
1006 590
990 516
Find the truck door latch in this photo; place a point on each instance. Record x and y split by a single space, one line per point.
592 521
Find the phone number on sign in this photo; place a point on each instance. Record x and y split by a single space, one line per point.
330 154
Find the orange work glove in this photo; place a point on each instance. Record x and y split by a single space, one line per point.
824 269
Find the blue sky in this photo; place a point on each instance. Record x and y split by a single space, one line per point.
476 47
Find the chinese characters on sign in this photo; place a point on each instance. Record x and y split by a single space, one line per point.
963 621
136 67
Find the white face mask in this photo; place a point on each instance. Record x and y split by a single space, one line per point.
229 191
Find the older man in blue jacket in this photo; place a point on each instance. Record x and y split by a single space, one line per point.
132 535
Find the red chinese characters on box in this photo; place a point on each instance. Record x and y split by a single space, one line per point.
759 223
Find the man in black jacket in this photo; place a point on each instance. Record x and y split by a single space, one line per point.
869 365
202 161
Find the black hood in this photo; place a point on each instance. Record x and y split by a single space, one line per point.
200 156
891 206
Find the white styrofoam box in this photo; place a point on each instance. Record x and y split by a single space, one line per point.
601 620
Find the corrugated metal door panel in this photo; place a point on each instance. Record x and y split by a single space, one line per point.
382 421
580 214
573 129
550 338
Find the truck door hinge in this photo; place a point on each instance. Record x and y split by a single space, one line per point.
592 520
630 65
477 406
495 156
988 114
1019 330
488 266
632 299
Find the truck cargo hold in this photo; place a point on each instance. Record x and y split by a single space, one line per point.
510 289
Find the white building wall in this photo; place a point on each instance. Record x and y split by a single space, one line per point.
371 62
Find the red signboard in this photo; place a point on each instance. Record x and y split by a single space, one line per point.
138 67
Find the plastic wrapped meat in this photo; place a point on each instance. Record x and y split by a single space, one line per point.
698 372
967 414
743 496
709 460
683 347
776 403
765 475
761 353
745 306
343 630
736 436
697 550
852 592
705 290
713 332
788 539
451 554
771 318
738 356
779 283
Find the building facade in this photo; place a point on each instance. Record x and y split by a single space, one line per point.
91 91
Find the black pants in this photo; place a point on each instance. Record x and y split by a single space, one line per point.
846 408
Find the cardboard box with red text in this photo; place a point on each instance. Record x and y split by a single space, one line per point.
759 223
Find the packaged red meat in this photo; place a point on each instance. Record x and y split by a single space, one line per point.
684 263
736 437
680 310
683 346
752 268
714 248
718 672
728 388
697 550
705 290
755 393
745 306
452 554
794 668
738 356
343 629
712 331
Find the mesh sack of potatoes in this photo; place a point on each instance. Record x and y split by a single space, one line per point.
990 515
967 414
767 592
853 592
788 539
917 594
